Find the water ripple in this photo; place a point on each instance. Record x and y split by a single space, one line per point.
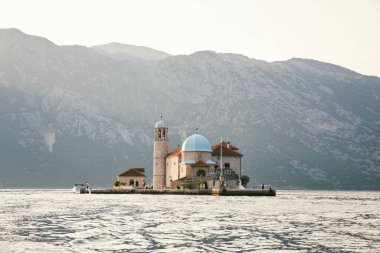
294 221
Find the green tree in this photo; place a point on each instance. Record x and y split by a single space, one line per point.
117 183
244 180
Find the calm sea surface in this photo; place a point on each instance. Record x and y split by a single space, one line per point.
294 221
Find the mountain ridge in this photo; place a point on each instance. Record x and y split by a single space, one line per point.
119 51
69 113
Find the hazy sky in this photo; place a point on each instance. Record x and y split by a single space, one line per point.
342 32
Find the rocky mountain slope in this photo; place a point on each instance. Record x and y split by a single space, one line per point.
72 113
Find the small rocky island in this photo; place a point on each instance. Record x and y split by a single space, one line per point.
195 168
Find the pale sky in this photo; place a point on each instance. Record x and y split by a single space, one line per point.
342 32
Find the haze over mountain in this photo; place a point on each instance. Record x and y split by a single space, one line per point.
122 51
73 113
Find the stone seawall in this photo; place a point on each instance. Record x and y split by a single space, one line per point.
187 192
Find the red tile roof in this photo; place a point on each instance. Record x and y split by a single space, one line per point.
225 151
200 164
232 147
175 152
133 172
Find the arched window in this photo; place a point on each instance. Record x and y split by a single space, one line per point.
201 173
137 183
132 182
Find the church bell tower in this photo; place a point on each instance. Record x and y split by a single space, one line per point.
160 151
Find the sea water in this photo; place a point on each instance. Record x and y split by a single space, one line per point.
293 221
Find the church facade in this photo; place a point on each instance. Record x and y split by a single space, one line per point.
195 164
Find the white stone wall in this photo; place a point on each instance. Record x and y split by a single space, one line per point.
172 169
183 170
127 180
232 184
228 184
234 161
186 169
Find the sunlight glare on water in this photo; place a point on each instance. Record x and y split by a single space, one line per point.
294 221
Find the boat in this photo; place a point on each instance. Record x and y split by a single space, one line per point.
79 188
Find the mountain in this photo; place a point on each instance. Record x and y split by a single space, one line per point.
120 51
70 114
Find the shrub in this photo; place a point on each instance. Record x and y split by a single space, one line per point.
244 180
117 183
188 186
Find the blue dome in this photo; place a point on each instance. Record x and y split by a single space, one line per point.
196 142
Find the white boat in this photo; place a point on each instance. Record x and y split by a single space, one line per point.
79 188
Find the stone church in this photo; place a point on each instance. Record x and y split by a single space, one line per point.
196 164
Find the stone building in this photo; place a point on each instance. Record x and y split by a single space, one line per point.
160 151
133 178
195 164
